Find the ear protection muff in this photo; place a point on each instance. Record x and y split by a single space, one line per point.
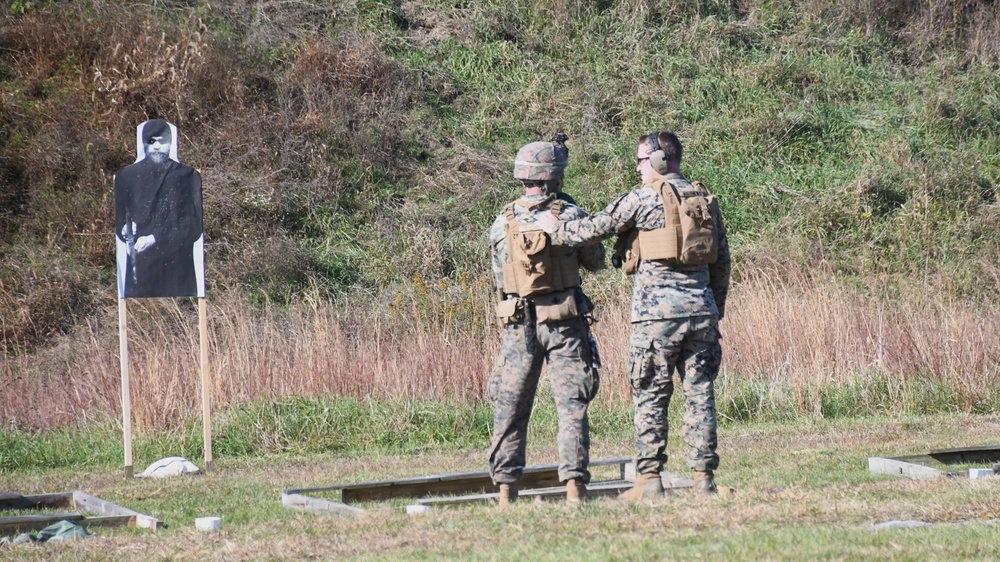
658 159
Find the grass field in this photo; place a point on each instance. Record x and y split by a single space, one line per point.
803 491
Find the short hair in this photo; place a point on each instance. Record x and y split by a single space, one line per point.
668 142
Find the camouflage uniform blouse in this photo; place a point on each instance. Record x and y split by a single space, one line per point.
591 257
662 291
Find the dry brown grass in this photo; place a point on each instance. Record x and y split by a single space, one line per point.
439 343
311 348
819 332
973 26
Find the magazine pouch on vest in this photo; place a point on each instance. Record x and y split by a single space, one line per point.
536 266
690 235
510 311
556 307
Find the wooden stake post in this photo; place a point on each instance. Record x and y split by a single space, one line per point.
126 398
206 393
206 386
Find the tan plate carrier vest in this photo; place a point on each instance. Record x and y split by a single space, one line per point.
690 235
535 266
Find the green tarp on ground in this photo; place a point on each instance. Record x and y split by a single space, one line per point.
61 531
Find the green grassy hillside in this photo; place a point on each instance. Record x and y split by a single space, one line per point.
352 149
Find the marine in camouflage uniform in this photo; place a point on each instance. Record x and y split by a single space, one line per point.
675 322
527 344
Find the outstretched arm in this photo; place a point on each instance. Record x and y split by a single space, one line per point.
618 216
591 256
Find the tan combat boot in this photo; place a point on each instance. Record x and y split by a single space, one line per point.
704 482
647 486
576 490
508 494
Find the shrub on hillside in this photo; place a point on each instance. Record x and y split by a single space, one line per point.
973 26
41 292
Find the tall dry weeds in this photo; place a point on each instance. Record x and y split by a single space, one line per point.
811 333
800 334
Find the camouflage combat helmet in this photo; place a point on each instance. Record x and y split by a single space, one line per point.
542 160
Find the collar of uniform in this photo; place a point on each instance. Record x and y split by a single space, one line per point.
532 202
536 197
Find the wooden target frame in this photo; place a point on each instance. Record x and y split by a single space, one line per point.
158 210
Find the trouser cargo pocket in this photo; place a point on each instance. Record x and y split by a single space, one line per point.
640 358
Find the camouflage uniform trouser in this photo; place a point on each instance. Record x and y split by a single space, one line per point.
691 345
512 388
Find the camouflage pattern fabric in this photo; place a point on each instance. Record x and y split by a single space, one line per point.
675 314
661 291
526 346
591 256
512 387
541 161
656 349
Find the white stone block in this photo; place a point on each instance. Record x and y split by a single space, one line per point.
417 509
208 524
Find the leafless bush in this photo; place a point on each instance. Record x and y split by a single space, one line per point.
350 90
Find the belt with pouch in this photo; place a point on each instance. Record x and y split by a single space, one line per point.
544 309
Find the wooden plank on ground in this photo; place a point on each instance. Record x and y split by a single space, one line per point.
36 522
620 461
669 480
14 500
61 499
468 482
594 489
108 521
675 482
107 514
317 505
880 465
92 504
963 455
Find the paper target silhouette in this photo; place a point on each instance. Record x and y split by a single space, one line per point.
158 220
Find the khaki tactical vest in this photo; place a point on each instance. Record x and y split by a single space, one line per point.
535 266
689 235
